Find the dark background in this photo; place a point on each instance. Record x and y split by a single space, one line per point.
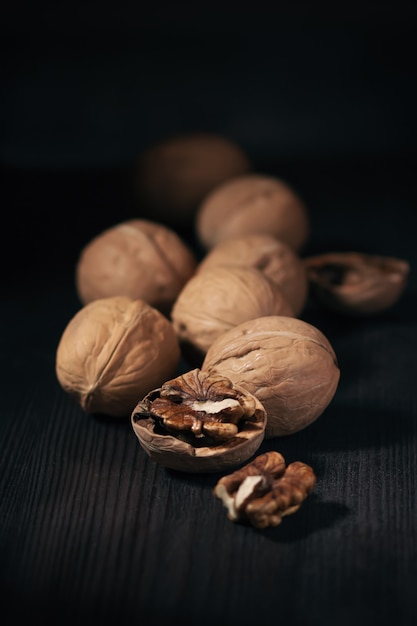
320 94
312 93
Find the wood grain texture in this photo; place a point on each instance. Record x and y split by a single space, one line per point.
92 530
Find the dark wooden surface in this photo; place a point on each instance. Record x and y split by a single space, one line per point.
90 528
92 531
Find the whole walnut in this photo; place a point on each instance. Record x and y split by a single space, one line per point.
136 258
253 203
217 299
113 351
287 363
173 175
272 256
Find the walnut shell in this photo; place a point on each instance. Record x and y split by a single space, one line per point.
355 283
113 351
253 203
273 257
136 258
218 299
286 362
173 175
199 422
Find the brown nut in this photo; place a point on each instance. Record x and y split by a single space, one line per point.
218 299
114 350
355 283
264 491
253 203
173 175
285 362
138 259
276 259
199 422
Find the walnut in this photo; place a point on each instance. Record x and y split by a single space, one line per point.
173 175
264 491
253 203
286 362
268 254
355 283
198 422
218 299
114 350
138 259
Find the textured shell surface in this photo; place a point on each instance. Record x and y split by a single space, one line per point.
138 259
220 298
113 351
273 257
287 363
253 203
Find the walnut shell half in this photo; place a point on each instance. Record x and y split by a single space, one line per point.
355 283
199 422
114 350
285 362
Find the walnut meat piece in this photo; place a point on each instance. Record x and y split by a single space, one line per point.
113 350
355 283
274 258
218 299
286 362
173 175
253 203
199 423
137 258
264 491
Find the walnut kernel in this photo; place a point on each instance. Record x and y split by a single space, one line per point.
198 422
264 491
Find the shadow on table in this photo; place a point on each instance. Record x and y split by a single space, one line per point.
314 515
